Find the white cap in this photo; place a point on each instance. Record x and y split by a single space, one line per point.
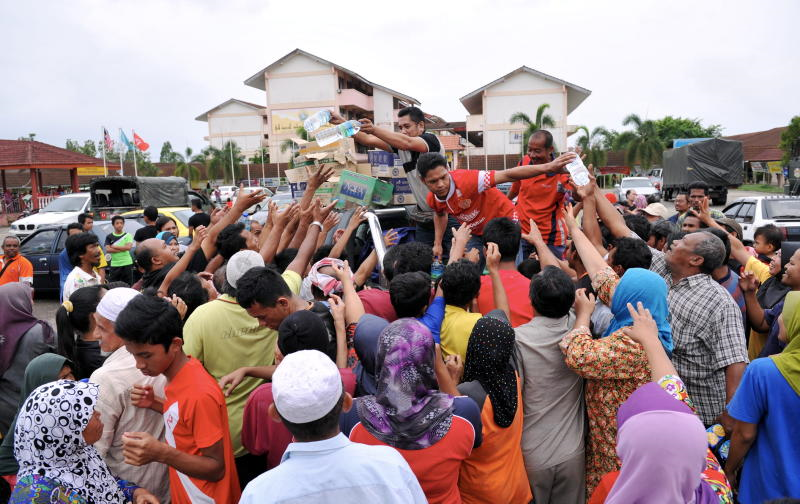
306 386
240 263
114 301
656 210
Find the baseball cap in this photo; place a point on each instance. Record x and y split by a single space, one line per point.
306 386
656 210
240 263
730 225
114 301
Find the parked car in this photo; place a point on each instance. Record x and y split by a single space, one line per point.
753 212
247 190
227 191
64 209
44 245
641 185
180 214
282 199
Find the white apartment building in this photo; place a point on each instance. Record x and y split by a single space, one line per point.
297 85
523 90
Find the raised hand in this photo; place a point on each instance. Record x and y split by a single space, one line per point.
569 216
358 216
331 221
391 238
200 234
337 308
367 126
558 164
644 329
462 234
586 191
748 282
343 272
455 367
246 201
534 236
584 303
492 257
288 214
319 177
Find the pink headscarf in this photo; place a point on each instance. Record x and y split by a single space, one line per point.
640 201
326 283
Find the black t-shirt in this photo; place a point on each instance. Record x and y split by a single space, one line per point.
145 233
199 219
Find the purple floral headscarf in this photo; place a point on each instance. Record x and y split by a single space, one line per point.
408 411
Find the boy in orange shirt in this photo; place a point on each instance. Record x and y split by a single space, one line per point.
198 449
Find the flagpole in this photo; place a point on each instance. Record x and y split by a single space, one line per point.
103 145
135 169
122 155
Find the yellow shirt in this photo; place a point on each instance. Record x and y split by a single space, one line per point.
757 339
222 336
456 329
759 269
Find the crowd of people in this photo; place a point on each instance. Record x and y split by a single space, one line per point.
575 349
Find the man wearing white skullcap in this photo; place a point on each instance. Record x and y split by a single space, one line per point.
117 378
309 399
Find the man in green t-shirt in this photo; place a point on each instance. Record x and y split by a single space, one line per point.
118 246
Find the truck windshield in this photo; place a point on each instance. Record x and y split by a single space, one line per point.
65 205
782 209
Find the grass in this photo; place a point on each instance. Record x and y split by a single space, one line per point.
761 188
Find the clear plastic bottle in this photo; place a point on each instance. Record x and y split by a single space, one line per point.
578 171
244 219
330 135
437 268
317 120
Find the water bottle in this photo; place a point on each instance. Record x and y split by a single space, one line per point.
245 220
330 135
578 171
317 120
437 268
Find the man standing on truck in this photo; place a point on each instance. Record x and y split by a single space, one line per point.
200 218
698 191
412 141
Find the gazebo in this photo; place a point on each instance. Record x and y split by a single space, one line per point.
37 156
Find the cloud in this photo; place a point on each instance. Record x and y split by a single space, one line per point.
154 66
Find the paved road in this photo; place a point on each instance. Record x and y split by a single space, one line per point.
45 308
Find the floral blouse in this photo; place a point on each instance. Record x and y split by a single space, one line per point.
36 489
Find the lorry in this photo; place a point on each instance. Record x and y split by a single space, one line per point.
114 195
717 162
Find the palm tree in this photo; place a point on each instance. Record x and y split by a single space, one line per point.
643 143
232 159
185 167
212 159
543 120
592 145
289 145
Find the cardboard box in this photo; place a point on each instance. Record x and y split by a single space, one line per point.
404 199
364 168
325 192
381 158
359 189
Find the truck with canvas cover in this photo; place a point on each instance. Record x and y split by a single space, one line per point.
113 195
717 162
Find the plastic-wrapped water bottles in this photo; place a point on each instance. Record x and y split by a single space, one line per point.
330 135
317 120
437 268
578 171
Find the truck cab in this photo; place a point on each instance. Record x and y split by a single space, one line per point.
115 195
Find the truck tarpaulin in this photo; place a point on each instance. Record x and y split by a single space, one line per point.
163 191
716 162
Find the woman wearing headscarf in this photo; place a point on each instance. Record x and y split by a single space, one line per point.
75 325
55 430
661 441
23 338
433 431
614 365
494 472
766 406
365 343
43 369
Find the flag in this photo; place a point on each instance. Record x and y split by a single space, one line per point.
124 140
140 144
108 141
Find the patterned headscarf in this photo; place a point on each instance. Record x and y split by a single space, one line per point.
488 361
407 412
49 441
326 283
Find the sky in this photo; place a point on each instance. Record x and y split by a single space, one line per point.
69 68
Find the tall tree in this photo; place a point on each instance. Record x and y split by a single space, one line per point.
643 142
185 165
212 159
167 154
232 159
88 148
790 140
543 120
592 145
257 156
669 128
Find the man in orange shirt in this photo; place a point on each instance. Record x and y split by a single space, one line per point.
541 198
198 447
13 266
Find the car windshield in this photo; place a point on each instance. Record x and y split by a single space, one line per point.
782 209
628 183
183 216
72 204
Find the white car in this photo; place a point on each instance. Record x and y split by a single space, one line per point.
641 185
756 211
225 192
62 210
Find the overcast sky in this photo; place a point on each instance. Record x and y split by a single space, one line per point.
67 68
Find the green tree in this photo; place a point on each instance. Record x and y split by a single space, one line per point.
88 148
232 159
669 128
643 143
212 159
543 120
31 137
592 145
790 140
289 145
257 156
167 154
185 165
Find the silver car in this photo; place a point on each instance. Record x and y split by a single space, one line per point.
642 185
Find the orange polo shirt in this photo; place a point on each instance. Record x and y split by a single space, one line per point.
19 270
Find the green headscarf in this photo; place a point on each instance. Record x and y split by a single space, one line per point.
40 370
788 361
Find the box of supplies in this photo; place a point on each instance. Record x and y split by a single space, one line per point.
359 189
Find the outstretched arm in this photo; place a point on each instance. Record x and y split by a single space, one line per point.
592 260
528 171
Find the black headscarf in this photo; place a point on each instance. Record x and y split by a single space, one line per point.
488 362
773 290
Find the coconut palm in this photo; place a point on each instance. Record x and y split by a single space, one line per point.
290 145
184 166
643 143
232 159
543 120
592 145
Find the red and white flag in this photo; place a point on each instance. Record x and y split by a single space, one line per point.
139 143
107 139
